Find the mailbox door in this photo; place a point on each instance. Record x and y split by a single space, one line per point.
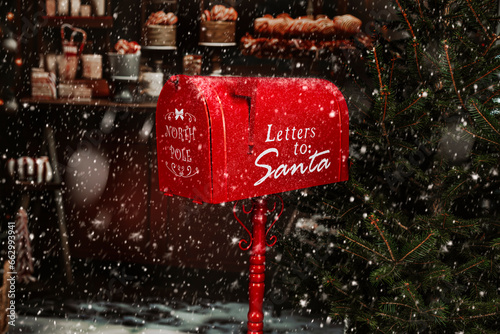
183 141
229 115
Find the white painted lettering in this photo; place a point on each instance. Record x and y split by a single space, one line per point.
268 139
324 163
278 136
284 169
180 154
183 134
269 169
289 134
303 149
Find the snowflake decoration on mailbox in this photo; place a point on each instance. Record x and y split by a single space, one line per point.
222 139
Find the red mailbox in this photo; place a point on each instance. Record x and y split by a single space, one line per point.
222 139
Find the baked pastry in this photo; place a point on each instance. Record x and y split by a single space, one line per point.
321 28
285 37
125 47
161 29
218 25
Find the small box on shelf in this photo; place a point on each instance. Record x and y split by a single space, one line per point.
43 84
98 88
75 8
75 91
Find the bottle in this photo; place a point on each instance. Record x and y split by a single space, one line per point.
75 7
63 7
50 7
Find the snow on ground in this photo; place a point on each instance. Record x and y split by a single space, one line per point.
156 318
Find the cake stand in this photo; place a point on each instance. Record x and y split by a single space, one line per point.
215 55
124 69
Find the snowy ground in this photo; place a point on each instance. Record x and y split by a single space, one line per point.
156 318
119 298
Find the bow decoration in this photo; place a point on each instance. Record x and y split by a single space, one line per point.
179 114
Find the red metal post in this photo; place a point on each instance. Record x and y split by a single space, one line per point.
257 267
258 241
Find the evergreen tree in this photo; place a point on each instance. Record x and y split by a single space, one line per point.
412 241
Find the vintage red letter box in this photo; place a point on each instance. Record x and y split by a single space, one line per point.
223 139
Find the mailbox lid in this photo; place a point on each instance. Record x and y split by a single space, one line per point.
293 134
183 140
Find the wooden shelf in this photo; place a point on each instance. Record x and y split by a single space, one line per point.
172 2
88 103
80 21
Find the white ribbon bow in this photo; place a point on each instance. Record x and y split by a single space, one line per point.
179 113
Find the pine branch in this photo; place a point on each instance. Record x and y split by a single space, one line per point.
478 136
483 162
433 278
412 295
374 221
470 267
446 47
393 61
330 206
365 247
384 273
496 243
455 188
492 43
418 246
410 28
420 96
481 92
393 317
417 64
485 119
483 76
495 93
420 9
414 123
354 207
478 19
398 304
377 67
404 227
348 251
477 316
360 109
360 87
439 318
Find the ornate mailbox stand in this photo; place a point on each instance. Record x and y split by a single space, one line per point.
223 139
258 241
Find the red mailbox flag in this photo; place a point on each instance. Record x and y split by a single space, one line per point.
222 139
